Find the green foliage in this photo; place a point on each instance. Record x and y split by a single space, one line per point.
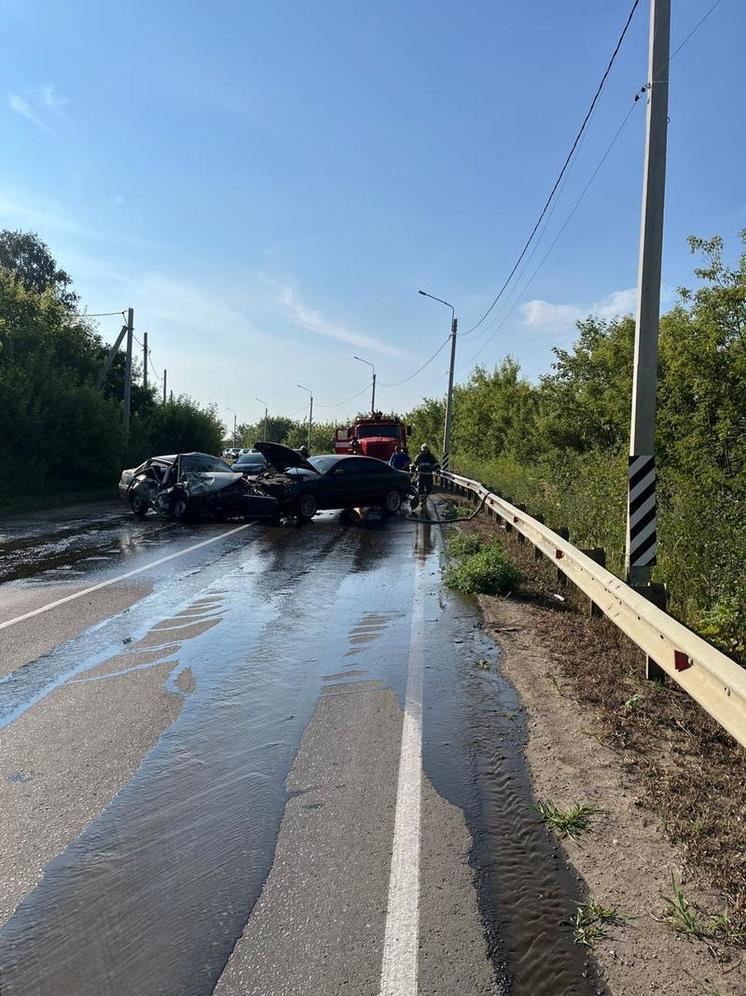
592 920
465 544
29 260
487 572
322 436
567 821
560 446
61 434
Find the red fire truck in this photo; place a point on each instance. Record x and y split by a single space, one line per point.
377 435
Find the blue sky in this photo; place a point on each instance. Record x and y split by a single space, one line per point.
268 184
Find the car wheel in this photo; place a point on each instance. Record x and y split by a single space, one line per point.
138 505
307 507
179 509
392 502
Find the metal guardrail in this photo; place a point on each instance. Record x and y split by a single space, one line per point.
711 678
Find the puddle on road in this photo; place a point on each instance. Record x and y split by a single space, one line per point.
474 729
155 892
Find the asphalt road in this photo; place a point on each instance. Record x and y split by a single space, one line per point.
242 759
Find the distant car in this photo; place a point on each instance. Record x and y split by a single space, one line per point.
250 463
193 485
302 487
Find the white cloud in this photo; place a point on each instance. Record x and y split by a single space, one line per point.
544 314
553 317
48 97
38 106
305 317
21 106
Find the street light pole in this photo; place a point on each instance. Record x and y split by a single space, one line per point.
641 503
449 399
265 416
235 419
310 413
373 396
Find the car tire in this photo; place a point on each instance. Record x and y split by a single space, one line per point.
306 507
179 509
138 505
392 502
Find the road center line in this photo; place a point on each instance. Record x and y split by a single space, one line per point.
123 577
399 969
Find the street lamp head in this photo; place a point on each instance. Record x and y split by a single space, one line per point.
424 293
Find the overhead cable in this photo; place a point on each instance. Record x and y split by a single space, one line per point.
556 239
419 370
562 172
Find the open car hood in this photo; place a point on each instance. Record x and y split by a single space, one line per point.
282 458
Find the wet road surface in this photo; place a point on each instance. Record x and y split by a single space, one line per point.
268 765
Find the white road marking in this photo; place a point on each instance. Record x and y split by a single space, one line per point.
122 577
399 969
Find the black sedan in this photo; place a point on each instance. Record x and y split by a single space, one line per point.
302 486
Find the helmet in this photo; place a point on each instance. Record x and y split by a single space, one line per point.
303 451
424 448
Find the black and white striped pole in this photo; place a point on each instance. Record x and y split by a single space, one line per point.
641 505
449 399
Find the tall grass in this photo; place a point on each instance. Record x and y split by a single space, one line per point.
701 532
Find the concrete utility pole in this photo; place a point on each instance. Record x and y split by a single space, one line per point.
449 399
373 396
128 373
641 512
165 379
235 421
310 413
145 360
266 408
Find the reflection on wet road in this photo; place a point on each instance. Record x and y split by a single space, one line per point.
152 896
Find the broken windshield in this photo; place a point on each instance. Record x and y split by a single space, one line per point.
203 463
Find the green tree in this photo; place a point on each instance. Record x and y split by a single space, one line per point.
30 260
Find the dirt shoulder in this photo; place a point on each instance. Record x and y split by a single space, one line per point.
669 783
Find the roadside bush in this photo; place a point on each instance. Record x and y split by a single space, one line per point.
465 544
488 572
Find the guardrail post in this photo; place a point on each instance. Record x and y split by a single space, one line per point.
564 533
598 555
656 593
537 552
519 535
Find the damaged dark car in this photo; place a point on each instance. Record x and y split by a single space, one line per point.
304 486
193 486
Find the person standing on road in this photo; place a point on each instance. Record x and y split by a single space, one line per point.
426 465
354 446
399 459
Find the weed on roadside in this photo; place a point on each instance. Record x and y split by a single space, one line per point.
488 572
465 544
483 665
686 919
572 821
591 920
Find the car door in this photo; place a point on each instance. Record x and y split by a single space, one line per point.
345 484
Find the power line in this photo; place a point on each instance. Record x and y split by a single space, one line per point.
562 172
420 369
592 177
97 314
556 239
337 404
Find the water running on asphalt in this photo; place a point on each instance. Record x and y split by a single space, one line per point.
155 892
